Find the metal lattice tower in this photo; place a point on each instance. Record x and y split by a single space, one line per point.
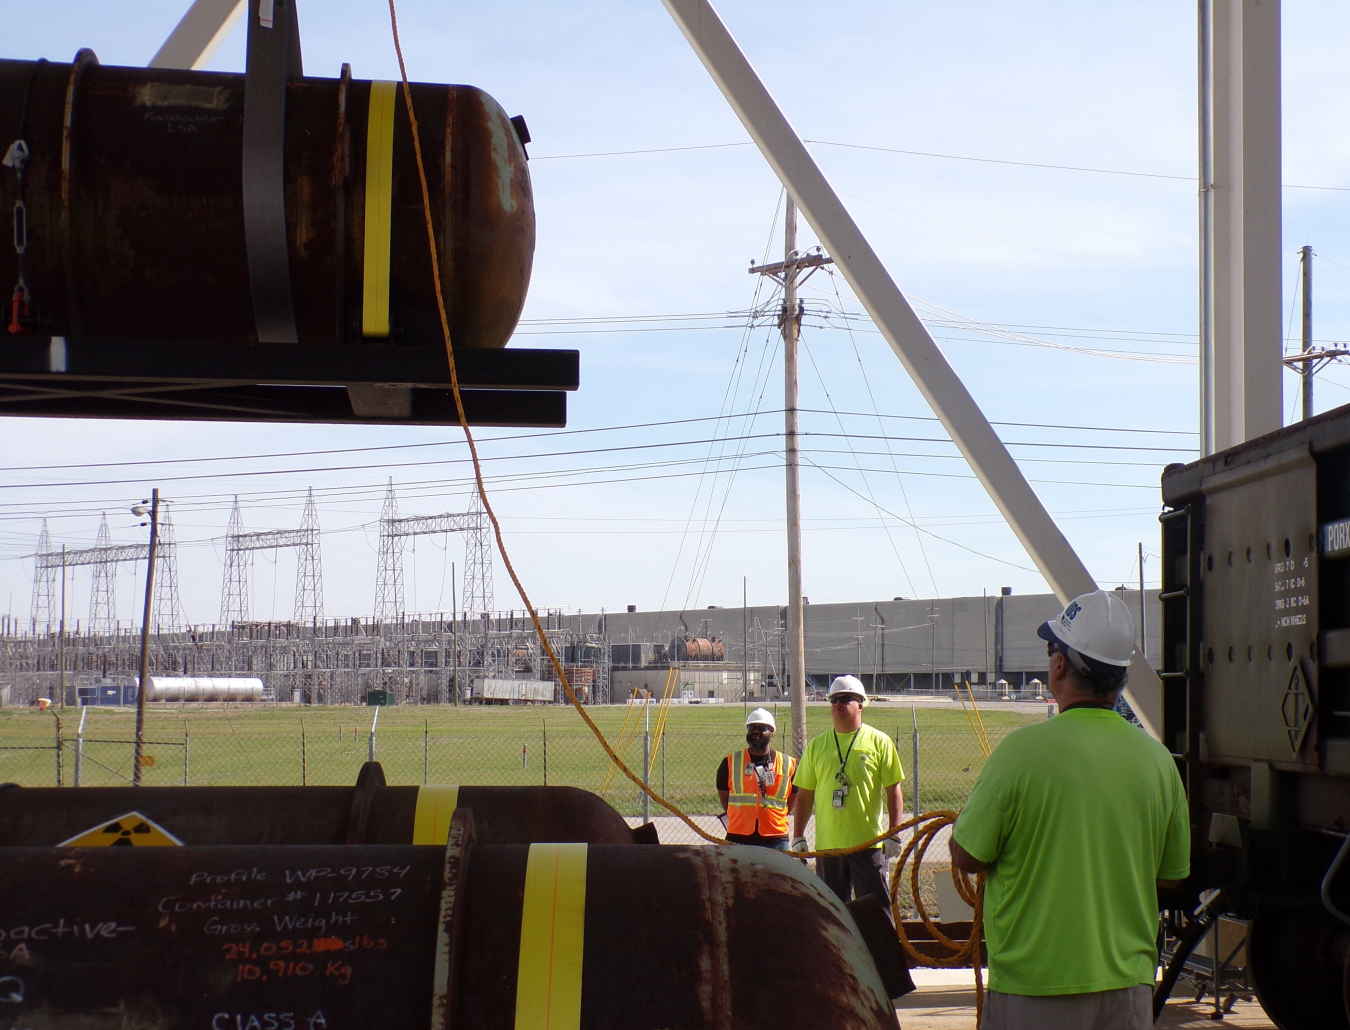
103 591
309 568
389 565
478 560
168 610
45 611
394 531
236 595
104 557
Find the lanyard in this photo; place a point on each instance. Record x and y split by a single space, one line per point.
843 757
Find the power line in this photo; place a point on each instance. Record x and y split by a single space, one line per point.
513 457
931 154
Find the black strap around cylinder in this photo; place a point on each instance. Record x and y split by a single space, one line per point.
273 57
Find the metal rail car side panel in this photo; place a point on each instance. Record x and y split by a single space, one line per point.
1256 682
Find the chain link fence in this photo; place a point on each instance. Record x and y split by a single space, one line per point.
678 753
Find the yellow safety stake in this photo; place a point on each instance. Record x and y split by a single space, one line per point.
552 935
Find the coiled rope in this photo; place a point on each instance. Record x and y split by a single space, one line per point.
927 825
970 888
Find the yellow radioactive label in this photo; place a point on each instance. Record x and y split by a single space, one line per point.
552 938
435 807
130 830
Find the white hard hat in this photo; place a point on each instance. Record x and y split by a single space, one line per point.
1096 625
761 716
848 685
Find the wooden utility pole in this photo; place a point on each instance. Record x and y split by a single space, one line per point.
789 273
1306 371
745 642
791 326
454 639
145 637
1143 607
63 628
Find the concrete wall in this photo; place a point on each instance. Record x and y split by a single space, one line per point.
929 640
717 683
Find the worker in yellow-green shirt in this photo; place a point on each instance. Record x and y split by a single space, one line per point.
1076 821
850 777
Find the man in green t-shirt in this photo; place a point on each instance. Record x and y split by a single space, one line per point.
1076 821
857 772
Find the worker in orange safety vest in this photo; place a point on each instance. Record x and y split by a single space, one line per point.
755 786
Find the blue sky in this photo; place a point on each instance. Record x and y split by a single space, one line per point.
1011 263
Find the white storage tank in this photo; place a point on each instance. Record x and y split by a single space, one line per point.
491 689
204 688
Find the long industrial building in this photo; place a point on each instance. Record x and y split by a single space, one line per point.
718 654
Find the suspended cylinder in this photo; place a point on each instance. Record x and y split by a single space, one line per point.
47 816
134 224
481 937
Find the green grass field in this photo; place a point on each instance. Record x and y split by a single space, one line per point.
263 745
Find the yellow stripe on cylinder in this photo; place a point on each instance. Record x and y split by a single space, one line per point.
435 806
552 934
379 204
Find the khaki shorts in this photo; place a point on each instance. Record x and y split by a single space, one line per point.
1129 1008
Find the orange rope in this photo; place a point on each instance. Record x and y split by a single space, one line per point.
931 822
971 890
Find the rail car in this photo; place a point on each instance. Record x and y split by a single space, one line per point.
1256 702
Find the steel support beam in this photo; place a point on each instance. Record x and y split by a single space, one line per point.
1240 221
901 327
199 34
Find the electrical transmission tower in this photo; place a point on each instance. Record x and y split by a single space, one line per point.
236 594
168 611
44 610
478 560
309 568
389 563
104 557
103 592
394 532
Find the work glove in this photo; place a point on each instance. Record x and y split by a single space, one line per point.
799 845
891 847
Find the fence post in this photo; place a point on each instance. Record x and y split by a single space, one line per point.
646 768
59 756
371 756
426 751
914 716
185 753
304 757
545 752
79 744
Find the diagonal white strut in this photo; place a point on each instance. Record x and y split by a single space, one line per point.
196 37
907 335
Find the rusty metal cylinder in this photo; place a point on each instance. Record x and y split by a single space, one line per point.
698 649
498 937
369 813
135 221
